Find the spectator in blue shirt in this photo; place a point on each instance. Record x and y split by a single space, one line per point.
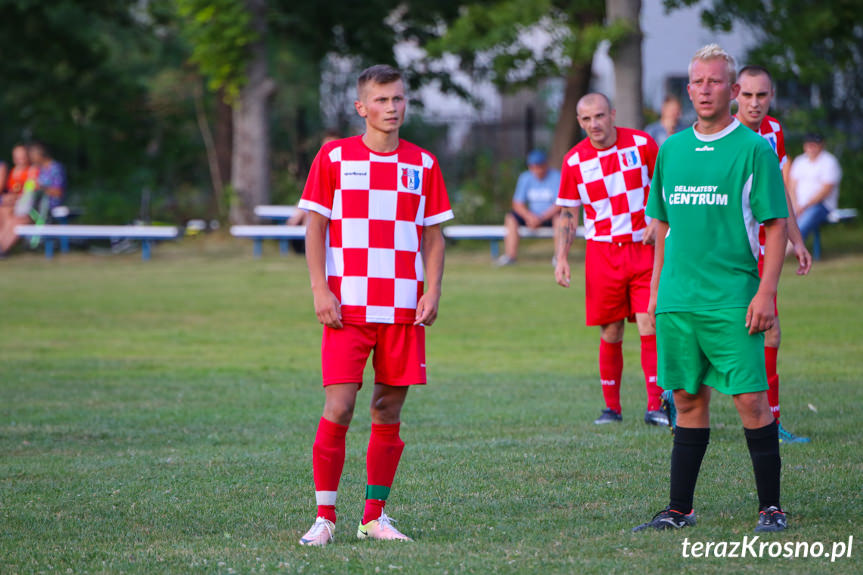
533 204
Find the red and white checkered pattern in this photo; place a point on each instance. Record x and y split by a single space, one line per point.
377 205
612 185
771 130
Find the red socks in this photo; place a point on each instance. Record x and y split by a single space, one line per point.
610 372
648 364
328 459
770 354
382 460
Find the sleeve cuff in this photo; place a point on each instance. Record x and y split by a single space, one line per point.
438 218
313 207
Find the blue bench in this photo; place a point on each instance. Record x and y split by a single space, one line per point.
145 234
495 234
834 217
276 213
260 233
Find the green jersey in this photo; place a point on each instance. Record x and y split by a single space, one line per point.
713 191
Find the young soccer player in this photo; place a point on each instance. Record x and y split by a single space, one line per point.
608 174
375 205
712 186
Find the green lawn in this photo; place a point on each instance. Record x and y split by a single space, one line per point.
158 418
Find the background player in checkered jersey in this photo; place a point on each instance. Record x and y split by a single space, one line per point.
754 99
608 174
375 206
712 185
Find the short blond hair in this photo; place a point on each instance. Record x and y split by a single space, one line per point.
715 52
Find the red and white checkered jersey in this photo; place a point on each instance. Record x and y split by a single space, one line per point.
771 130
612 184
377 205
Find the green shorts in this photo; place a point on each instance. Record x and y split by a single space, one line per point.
709 348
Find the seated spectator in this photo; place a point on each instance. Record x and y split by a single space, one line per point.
533 204
43 189
18 176
669 120
815 177
51 180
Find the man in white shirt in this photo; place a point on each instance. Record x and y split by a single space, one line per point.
815 177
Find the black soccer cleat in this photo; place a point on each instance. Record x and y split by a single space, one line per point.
656 417
771 519
668 519
608 416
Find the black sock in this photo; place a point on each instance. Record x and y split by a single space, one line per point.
763 446
690 443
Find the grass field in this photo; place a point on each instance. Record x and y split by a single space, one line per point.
158 418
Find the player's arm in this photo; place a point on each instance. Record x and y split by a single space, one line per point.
549 213
566 228
433 260
327 306
804 258
761 313
660 229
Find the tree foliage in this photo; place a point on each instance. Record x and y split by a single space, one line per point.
219 33
813 42
517 42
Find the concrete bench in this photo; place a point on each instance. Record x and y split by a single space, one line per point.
277 213
495 234
269 232
145 234
834 217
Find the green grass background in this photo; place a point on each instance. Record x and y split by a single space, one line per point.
158 418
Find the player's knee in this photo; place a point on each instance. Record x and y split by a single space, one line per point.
773 336
386 409
339 411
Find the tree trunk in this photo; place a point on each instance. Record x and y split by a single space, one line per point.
250 162
626 54
223 136
566 132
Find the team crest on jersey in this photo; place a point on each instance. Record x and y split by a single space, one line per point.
772 139
410 178
629 159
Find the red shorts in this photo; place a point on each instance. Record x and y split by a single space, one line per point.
399 359
760 273
617 281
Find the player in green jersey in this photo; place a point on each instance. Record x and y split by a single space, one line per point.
712 186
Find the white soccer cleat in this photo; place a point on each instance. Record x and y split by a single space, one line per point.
381 528
321 533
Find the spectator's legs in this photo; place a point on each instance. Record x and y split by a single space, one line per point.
811 219
510 239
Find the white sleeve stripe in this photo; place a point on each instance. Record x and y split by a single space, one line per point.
310 206
568 203
438 218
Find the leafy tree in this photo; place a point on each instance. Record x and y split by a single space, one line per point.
489 37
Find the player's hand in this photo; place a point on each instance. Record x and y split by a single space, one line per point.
532 222
427 308
649 236
562 272
804 259
327 309
761 314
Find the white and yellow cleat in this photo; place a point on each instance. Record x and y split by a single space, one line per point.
381 528
321 533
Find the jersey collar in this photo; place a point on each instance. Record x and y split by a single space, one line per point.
718 135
